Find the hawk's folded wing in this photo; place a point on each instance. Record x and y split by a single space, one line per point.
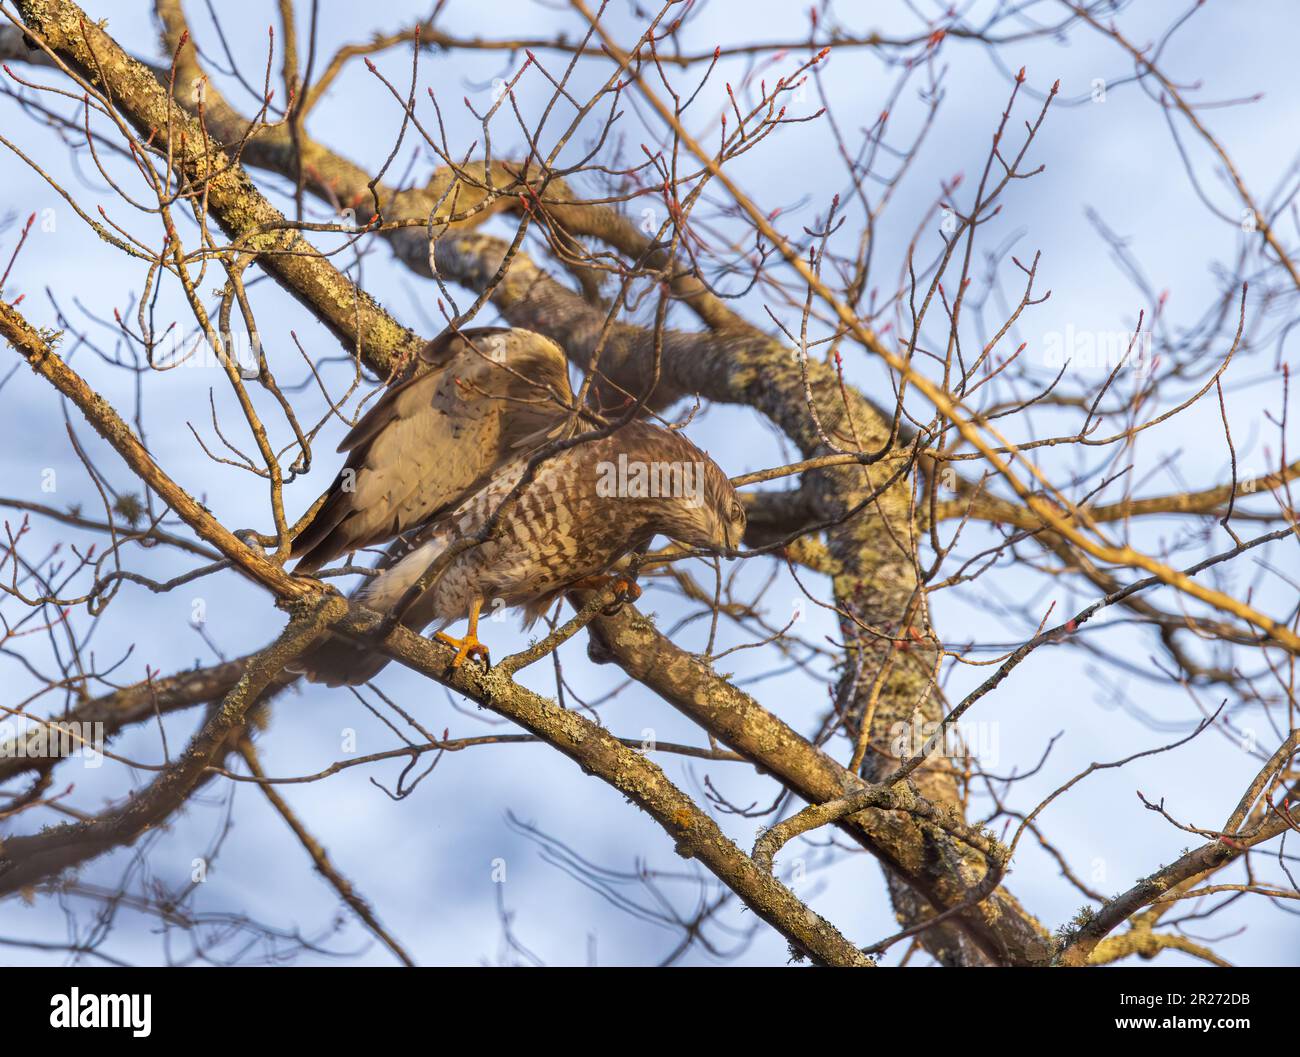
434 439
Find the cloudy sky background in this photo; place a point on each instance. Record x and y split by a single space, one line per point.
426 862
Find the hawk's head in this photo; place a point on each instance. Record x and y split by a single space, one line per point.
708 512
723 523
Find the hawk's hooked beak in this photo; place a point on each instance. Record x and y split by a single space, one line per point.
731 544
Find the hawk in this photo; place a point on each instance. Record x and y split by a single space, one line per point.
562 523
490 393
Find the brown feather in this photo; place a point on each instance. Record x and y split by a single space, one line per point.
563 525
436 438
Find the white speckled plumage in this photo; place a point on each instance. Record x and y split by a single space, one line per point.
560 527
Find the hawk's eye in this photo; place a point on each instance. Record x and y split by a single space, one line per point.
737 512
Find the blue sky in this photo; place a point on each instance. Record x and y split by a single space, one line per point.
426 862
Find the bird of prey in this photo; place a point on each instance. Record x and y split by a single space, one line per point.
539 528
489 394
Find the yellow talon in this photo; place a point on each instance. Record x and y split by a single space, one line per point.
625 590
469 646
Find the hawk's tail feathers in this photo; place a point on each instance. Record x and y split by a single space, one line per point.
335 661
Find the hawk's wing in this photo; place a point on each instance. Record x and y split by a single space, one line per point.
430 441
